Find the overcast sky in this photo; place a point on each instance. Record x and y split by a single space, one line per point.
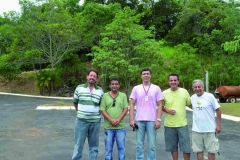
11 5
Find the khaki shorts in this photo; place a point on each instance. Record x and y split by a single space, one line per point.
202 141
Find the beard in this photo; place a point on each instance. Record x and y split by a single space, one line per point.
91 81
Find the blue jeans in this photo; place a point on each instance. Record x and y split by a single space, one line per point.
82 131
148 128
119 135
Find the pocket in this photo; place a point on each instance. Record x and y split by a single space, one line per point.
216 144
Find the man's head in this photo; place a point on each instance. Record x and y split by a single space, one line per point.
146 74
198 87
92 76
173 80
114 84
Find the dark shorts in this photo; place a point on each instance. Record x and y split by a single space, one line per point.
177 136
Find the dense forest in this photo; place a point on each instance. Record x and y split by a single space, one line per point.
61 39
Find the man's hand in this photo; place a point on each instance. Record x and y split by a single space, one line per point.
114 122
170 111
157 124
132 122
218 129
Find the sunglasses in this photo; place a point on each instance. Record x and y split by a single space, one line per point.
114 101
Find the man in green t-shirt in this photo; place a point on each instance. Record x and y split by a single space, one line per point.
114 107
175 125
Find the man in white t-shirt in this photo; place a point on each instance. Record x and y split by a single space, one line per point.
204 125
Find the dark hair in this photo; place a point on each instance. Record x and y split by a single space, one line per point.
173 74
92 70
114 79
146 69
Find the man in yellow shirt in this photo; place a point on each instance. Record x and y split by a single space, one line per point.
175 126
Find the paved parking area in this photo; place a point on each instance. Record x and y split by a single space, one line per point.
30 134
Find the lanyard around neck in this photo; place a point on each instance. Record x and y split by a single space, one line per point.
147 89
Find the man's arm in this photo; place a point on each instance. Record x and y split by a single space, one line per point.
110 119
131 112
76 106
123 114
219 116
159 115
169 111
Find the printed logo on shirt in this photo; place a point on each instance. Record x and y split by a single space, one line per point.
198 105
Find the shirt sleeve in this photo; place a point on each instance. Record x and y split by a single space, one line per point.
125 102
215 104
188 99
159 95
103 103
133 94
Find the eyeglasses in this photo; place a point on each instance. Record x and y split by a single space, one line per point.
114 101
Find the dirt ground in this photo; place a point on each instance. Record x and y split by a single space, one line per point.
20 86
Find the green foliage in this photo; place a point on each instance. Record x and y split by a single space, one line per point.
71 70
9 71
183 61
47 81
92 21
53 31
232 46
163 15
125 47
8 68
187 37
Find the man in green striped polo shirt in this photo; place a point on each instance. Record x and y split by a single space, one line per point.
86 101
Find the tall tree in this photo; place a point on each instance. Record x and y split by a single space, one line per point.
50 29
125 47
93 19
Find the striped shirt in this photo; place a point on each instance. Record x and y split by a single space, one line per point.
88 102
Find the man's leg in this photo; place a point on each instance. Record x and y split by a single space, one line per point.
151 136
200 156
109 142
120 139
211 144
80 134
186 156
174 155
93 140
211 156
171 141
198 145
184 142
140 136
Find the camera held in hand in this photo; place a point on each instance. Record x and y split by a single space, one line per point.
135 127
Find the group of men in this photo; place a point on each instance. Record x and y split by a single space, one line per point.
147 102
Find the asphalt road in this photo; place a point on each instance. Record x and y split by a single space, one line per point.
30 134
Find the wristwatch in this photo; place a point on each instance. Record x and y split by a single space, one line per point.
159 119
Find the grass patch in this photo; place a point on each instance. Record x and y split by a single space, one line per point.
232 109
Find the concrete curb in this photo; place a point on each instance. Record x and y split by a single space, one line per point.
55 107
224 116
26 95
233 118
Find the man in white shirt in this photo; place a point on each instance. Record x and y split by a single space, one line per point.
204 126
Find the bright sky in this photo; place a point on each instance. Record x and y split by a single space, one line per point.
9 5
12 5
